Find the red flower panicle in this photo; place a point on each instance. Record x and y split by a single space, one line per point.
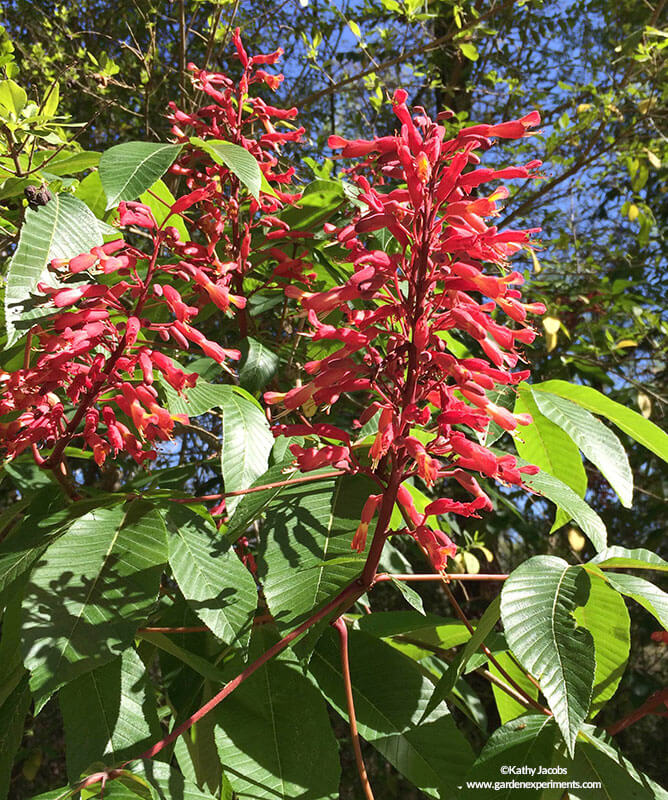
401 306
100 354
249 122
90 369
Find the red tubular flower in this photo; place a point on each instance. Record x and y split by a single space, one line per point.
417 185
368 512
136 214
314 458
438 546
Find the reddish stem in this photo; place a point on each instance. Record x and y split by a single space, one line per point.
342 630
339 604
276 485
650 706
182 629
381 533
461 576
60 474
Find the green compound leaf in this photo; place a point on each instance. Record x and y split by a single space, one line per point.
254 504
159 199
537 605
547 446
635 425
605 616
198 399
507 706
237 160
12 97
259 365
648 595
127 170
72 163
273 734
528 742
597 442
167 783
596 761
247 442
630 559
320 199
574 507
410 595
307 526
13 712
458 666
90 591
48 516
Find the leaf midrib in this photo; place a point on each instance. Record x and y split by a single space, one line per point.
556 644
330 524
270 705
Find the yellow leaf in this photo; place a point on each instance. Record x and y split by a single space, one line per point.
646 105
576 540
626 343
536 263
584 107
551 326
653 159
486 552
633 212
471 563
644 404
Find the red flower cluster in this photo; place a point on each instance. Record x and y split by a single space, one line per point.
235 116
99 351
401 306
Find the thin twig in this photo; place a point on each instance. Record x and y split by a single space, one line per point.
460 576
650 706
342 630
275 485
182 629
485 673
